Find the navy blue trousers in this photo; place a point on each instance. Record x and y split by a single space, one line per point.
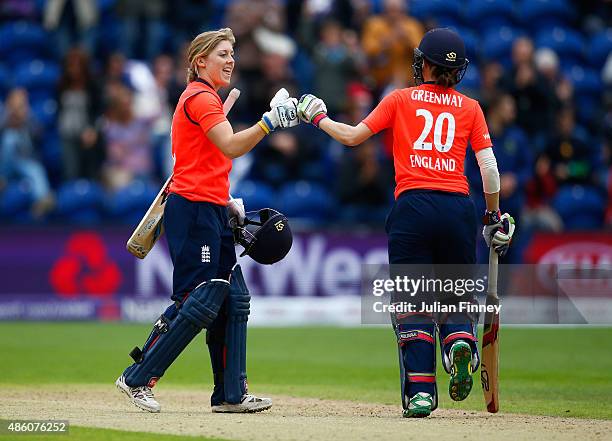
200 241
428 227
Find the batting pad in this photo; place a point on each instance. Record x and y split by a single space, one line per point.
238 307
197 312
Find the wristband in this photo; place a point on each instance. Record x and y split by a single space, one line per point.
263 126
491 217
318 118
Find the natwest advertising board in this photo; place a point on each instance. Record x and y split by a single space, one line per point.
74 274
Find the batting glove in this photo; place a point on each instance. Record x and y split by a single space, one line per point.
235 208
282 113
311 109
498 231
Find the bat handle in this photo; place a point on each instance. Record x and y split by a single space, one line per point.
493 264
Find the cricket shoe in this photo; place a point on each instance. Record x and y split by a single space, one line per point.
419 406
141 396
461 371
248 404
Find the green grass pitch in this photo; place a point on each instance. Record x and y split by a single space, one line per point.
546 371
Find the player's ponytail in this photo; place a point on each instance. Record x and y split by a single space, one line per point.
203 45
444 77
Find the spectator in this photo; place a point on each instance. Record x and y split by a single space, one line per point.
389 40
335 65
366 198
547 65
73 21
143 29
166 88
570 158
79 98
534 96
128 141
18 156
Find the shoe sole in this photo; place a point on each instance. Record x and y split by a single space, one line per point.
134 402
461 381
417 413
241 410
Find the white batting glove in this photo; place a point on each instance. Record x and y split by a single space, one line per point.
282 113
498 231
235 208
312 109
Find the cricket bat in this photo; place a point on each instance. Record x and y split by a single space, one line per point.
489 367
151 227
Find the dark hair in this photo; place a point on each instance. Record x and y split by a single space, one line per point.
444 76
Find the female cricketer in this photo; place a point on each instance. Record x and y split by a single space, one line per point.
209 291
433 221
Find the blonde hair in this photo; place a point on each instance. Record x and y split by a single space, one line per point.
203 45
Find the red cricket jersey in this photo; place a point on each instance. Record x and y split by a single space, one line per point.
432 126
201 170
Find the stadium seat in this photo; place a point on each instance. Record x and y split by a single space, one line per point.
39 78
498 45
586 81
79 202
21 41
5 82
305 200
15 202
487 15
445 13
44 112
130 203
567 43
256 194
580 207
543 14
599 48
470 83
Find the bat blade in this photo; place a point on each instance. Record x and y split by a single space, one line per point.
489 369
151 227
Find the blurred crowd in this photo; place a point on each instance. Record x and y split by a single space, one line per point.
88 88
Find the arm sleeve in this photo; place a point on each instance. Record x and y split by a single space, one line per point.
382 116
206 110
480 138
488 170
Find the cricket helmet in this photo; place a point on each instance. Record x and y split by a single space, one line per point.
442 47
265 236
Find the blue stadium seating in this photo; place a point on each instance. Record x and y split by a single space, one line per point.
470 81
443 12
22 41
255 194
498 45
15 200
305 200
44 112
79 202
486 15
586 81
568 44
5 81
130 203
580 207
600 48
543 14
39 78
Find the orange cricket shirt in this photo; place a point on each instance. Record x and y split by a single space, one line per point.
432 126
201 170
